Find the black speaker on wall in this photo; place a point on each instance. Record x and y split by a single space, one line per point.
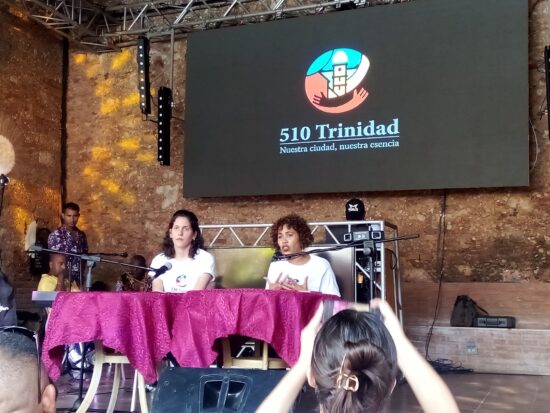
164 122
547 74
143 75
213 390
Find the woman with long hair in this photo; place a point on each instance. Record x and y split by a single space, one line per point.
190 266
352 363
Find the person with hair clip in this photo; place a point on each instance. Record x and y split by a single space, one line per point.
352 362
190 266
301 271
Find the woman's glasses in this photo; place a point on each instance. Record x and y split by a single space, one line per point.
32 335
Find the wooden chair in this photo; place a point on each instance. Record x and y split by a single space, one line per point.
118 360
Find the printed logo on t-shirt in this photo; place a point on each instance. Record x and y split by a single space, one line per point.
181 281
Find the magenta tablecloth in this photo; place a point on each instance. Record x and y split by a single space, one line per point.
146 326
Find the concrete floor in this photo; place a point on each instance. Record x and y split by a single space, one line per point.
477 393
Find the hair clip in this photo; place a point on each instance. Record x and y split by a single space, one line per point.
348 382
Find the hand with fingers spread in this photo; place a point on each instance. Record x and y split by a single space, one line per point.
320 100
277 284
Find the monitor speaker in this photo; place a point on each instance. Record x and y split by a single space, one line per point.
213 390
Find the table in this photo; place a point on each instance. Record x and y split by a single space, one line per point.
146 326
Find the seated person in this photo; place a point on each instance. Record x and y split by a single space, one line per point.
352 364
24 385
55 279
39 260
299 271
135 278
191 267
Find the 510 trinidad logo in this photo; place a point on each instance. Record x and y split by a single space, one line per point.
335 84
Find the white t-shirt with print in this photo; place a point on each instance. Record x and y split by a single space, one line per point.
184 274
318 271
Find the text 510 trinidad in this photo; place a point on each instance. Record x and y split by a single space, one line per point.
340 131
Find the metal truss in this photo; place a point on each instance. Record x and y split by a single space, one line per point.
110 25
254 235
77 20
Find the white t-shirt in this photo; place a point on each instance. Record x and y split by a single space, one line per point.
318 271
184 274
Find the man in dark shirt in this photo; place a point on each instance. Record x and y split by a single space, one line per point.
68 238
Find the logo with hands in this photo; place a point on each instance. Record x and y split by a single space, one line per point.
334 80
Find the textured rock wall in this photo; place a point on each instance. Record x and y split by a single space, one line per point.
127 198
30 113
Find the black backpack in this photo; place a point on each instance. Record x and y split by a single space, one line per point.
465 311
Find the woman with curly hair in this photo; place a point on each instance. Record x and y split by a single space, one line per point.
192 268
295 270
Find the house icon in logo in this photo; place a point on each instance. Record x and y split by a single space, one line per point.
333 81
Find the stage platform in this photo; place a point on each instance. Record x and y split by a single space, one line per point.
480 393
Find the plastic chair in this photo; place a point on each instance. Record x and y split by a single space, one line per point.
118 360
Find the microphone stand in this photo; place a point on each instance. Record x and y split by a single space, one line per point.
90 259
110 254
90 263
342 246
369 249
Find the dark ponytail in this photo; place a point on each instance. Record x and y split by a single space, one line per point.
355 347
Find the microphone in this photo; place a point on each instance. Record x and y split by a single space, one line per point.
278 256
35 248
162 270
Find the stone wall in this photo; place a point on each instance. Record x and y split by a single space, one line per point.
30 116
127 198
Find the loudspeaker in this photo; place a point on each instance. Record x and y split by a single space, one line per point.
495 322
547 76
143 75
213 390
164 122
